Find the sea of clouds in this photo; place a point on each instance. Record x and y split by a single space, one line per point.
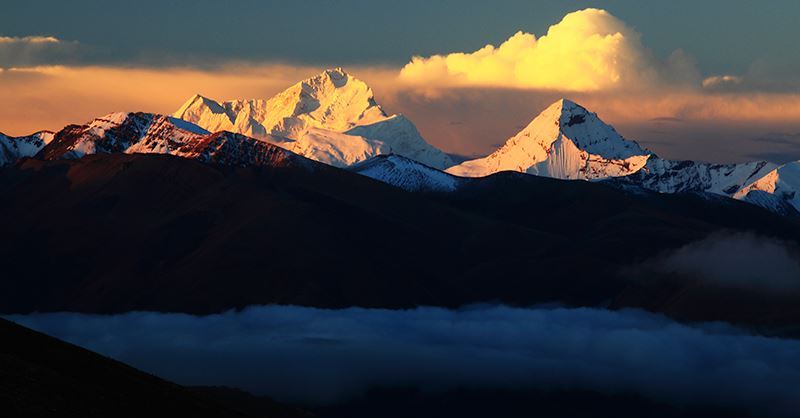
322 356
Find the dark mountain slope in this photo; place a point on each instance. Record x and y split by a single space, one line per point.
115 233
41 376
121 232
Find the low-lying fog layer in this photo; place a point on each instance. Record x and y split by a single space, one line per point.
739 260
319 356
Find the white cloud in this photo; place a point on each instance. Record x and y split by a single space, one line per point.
29 40
589 50
722 81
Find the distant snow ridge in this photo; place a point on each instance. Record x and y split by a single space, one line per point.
776 191
15 148
565 141
407 174
668 176
761 183
333 117
158 134
336 149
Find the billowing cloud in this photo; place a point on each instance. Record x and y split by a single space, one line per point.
589 50
320 356
34 50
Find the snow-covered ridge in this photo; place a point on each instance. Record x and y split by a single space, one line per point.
669 176
158 134
333 116
407 174
15 148
336 149
565 141
775 189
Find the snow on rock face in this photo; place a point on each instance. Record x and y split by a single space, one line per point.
400 134
157 134
13 149
775 190
333 101
565 141
667 176
406 174
337 149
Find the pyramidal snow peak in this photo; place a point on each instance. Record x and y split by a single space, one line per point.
332 117
565 141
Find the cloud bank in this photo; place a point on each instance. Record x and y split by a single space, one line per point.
321 356
740 260
589 50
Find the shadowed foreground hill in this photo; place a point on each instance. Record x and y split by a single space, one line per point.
41 376
120 232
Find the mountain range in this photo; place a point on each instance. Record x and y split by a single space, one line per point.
318 198
333 118
568 185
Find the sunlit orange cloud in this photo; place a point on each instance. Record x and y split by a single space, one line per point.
588 50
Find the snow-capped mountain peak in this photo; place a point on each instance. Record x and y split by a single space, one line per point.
564 141
199 102
591 134
332 101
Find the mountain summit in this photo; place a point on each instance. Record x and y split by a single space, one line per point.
332 100
565 141
332 117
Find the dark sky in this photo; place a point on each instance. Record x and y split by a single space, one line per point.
726 35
